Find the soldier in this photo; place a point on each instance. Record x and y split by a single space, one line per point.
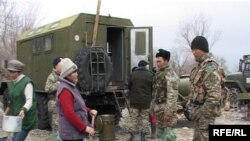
22 99
51 87
165 95
205 96
140 96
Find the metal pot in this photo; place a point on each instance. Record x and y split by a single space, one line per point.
106 127
12 123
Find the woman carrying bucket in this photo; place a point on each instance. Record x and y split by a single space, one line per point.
22 101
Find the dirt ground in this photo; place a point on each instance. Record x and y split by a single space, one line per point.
184 128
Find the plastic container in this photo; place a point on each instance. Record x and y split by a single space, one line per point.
12 123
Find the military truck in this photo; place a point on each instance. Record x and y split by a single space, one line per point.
239 83
103 69
184 90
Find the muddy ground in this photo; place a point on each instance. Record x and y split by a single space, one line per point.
184 128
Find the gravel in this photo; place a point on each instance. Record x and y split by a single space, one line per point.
184 128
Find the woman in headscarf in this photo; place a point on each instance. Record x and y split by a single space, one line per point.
73 113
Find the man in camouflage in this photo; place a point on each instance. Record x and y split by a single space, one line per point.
140 96
204 101
51 88
165 95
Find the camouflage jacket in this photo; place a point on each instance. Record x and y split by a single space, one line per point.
165 87
165 95
52 82
206 86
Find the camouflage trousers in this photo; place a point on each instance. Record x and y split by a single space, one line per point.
163 116
166 134
139 119
201 128
54 119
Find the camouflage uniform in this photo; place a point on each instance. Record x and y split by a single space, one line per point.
205 96
51 87
140 96
164 103
139 120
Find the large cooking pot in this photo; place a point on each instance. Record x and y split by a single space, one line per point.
106 127
12 123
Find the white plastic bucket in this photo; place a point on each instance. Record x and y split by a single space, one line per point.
12 123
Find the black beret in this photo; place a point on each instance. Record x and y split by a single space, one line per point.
200 42
142 63
56 61
164 54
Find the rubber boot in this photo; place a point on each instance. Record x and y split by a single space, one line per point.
132 137
153 131
143 136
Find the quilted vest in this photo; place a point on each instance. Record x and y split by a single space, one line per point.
66 130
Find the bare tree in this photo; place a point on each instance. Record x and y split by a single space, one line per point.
221 62
13 21
181 60
199 25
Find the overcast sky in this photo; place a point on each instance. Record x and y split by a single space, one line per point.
231 17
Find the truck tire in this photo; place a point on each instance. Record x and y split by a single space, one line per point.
85 80
42 107
233 95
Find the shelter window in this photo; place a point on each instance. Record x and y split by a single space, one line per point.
36 46
54 25
140 44
30 33
39 30
48 43
247 68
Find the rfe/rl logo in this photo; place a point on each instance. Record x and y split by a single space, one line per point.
228 132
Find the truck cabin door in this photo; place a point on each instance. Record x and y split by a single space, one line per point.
246 75
141 46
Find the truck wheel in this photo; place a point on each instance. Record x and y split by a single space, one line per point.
86 82
42 107
233 97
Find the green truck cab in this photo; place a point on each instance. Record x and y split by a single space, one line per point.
239 84
103 69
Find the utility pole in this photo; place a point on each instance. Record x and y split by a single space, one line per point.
96 23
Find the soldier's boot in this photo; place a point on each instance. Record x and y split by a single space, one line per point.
143 136
153 131
132 137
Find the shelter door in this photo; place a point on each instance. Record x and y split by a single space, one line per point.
141 45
